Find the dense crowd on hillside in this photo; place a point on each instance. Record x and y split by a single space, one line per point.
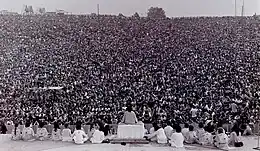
181 69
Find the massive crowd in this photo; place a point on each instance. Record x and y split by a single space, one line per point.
181 69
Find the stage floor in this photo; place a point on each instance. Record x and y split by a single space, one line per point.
249 143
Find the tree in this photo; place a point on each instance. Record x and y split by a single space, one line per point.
136 15
156 13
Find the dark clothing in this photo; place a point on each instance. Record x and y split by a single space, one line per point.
3 129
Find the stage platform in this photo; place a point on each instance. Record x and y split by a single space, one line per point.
8 145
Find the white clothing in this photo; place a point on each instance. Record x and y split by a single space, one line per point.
79 137
56 136
151 131
27 133
129 118
16 136
168 131
221 141
176 140
97 137
160 136
42 133
207 139
66 135
194 112
184 132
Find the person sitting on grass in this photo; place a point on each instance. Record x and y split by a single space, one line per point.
42 133
79 136
28 133
98 136
56 132
221 139
66 133
158 135
16 133
177 139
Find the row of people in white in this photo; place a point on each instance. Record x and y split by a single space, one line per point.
79 136
202 136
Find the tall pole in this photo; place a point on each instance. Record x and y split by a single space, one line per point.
243 7
98 9
235 7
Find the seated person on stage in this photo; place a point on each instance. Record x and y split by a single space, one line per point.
207 138
168 130
221 139
233 140
98 136
129 116
42 133
66 133
200 132
79 136
16 133
158 135
191 136
27 133
177 139
56 132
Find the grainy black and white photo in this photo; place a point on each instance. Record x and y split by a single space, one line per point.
129 75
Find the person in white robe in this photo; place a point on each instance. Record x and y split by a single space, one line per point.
129 117
16 133
98 136
168 130
207 137
158 135
28 133
177 139
42 133
191 136
79 136
200 132
56 132
66 134
221 139
185 130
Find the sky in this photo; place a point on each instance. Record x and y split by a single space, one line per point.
172 8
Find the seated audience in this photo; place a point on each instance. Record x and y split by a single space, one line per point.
200 132
207 137
28 133
56 132
168 130
79 136
158 135
185 130
66 133
177 139
16 133
97 136
42 133
191 137
221 139
234 140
